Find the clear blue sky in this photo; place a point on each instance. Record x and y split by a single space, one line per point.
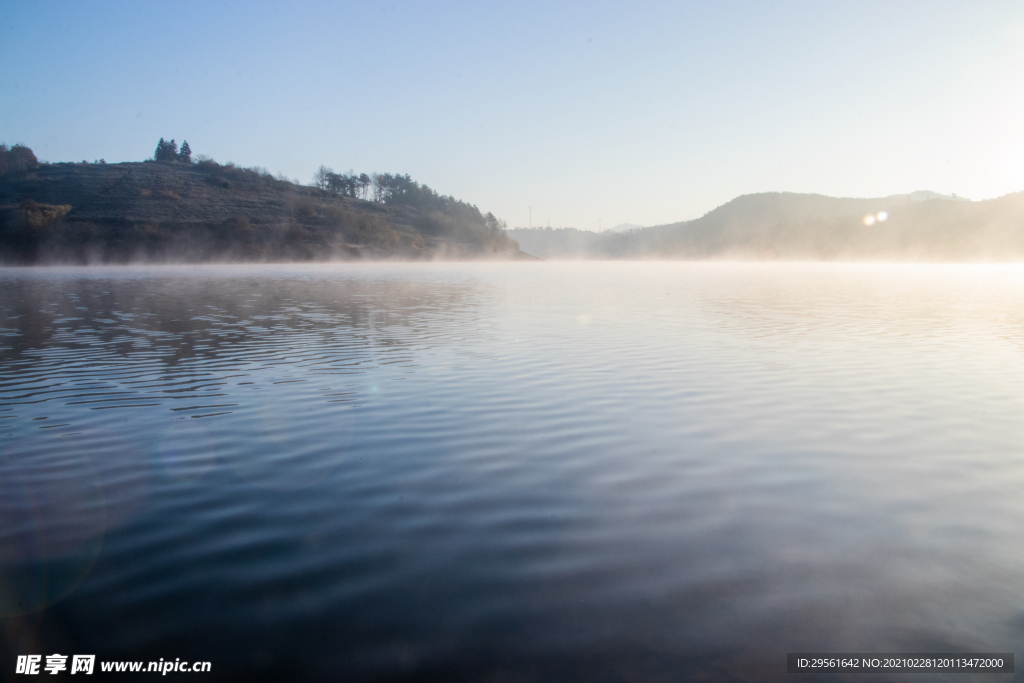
612 112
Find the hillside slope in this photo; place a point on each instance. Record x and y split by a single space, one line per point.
173 212
922 226
801 226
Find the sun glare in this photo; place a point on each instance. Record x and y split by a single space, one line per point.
879 217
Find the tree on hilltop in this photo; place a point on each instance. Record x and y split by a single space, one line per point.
185 155
17 160
166 151
322 177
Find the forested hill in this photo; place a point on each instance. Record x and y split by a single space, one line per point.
178 211
922 226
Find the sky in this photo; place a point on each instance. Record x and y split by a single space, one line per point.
581 114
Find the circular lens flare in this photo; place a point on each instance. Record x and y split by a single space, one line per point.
288 444
186 451
55 514
869 220
882 216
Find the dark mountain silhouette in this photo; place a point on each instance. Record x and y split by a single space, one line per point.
184 212
922 226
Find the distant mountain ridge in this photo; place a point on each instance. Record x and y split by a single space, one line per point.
921 225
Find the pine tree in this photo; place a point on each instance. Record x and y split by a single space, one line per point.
161 153
185 155
166 151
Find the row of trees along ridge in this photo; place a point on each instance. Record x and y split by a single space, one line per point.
346 185
383 188
402 190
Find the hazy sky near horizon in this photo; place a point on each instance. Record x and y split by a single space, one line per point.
587 111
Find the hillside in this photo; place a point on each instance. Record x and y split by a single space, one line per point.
922 226
182 212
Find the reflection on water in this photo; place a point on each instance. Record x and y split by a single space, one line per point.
511 472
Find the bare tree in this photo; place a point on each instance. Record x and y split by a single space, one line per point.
379 185
322 177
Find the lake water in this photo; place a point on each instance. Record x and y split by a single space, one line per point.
511 472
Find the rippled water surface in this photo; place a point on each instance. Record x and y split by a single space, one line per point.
511 472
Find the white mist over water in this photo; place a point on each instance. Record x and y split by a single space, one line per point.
640 470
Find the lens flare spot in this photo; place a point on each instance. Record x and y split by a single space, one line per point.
186 451
869 220
882 216
286 444
55 513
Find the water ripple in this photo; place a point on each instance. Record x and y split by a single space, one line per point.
512 472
